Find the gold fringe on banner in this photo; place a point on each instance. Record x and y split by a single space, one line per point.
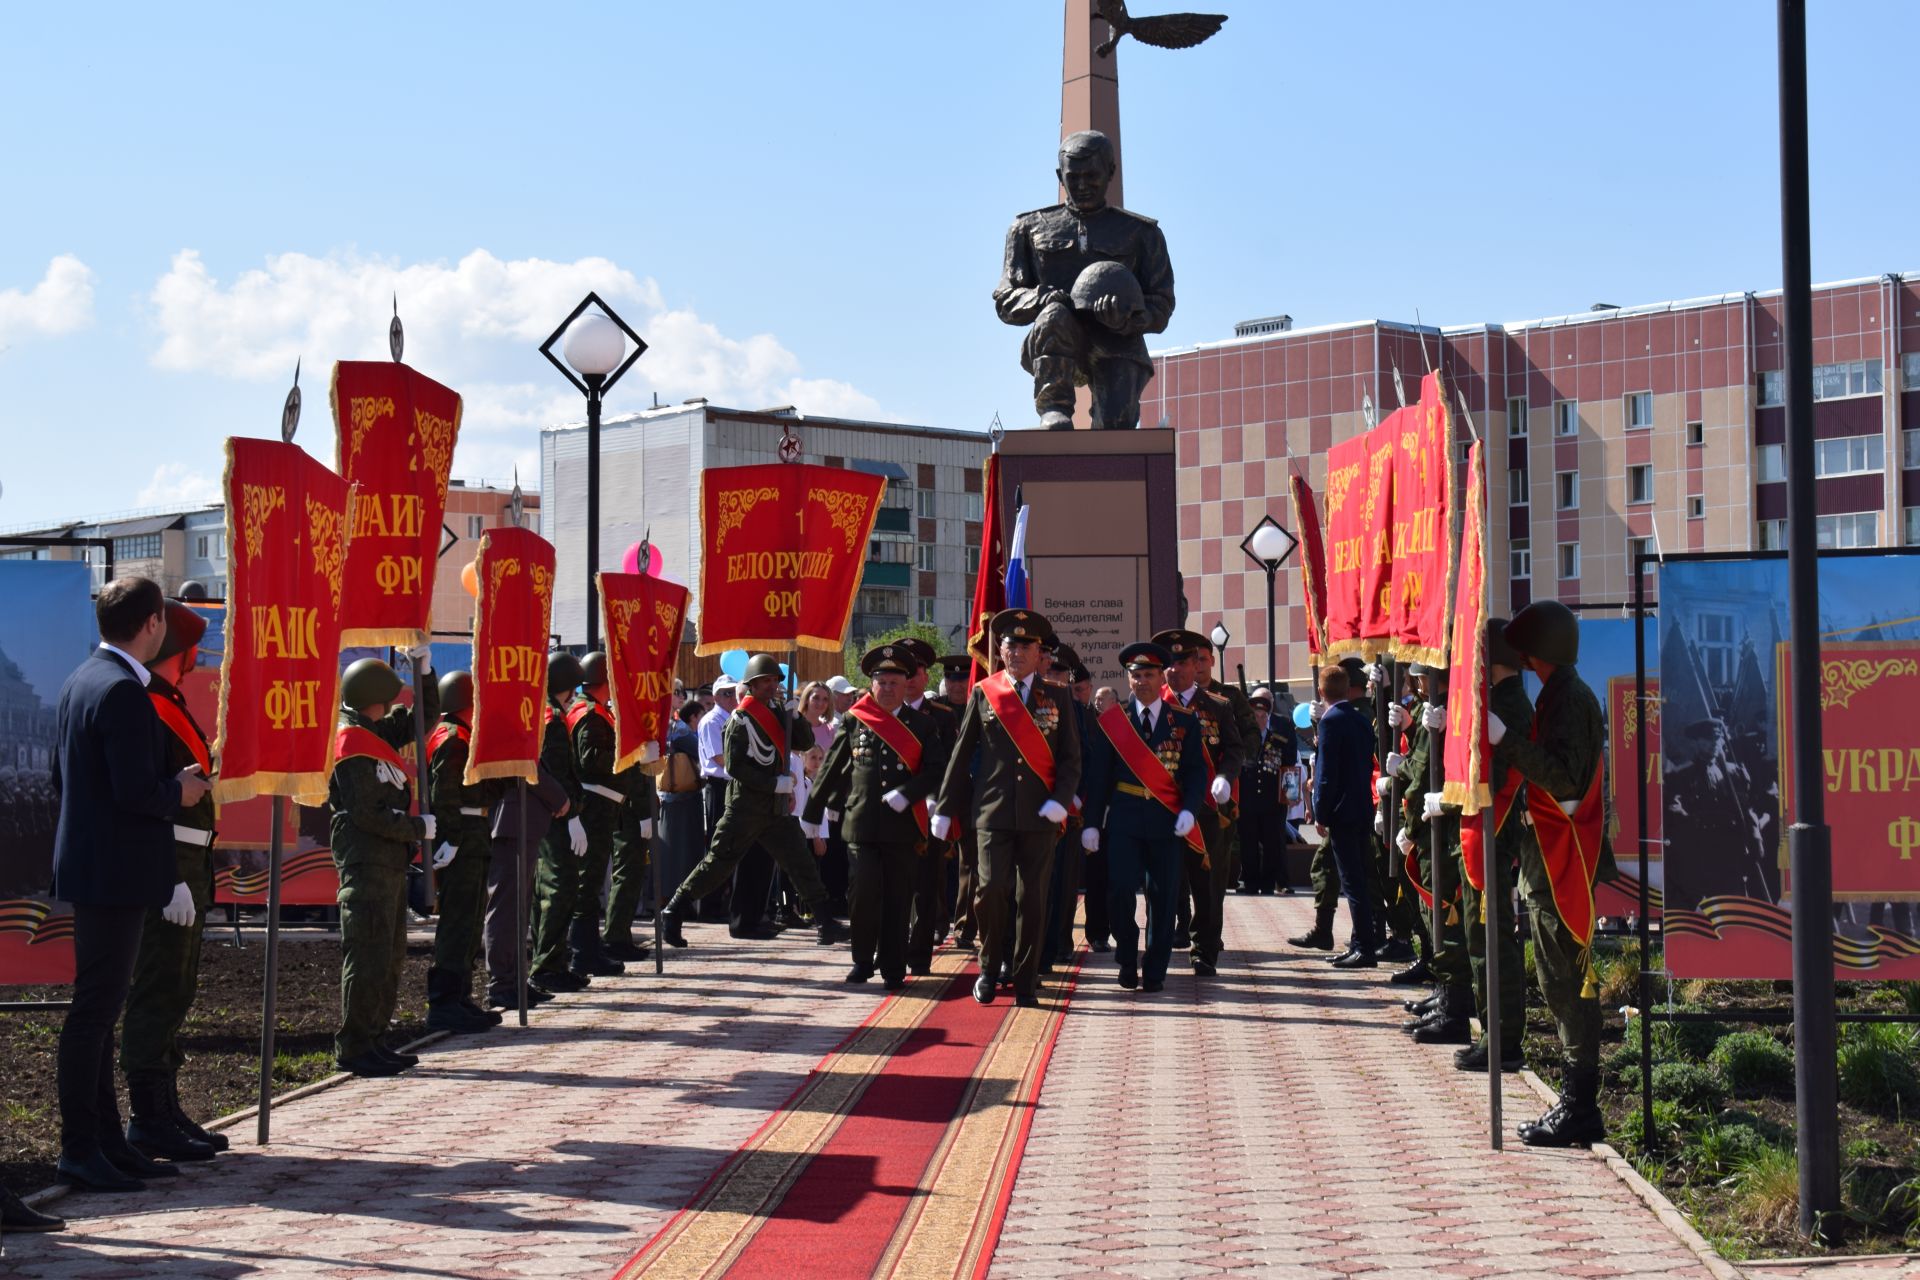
371 637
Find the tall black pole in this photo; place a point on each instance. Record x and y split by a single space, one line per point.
594 381
269 984
1809 845
520 909
1273 671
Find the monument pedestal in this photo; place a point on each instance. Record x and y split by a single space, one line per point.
1103 546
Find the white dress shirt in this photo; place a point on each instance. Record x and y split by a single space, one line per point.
139 668
1153 713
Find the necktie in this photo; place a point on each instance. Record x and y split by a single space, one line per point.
1146 723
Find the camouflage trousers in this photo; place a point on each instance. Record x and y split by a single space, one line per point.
373 948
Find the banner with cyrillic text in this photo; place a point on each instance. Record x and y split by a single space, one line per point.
642 616
512 617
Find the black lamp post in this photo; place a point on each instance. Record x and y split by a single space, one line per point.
1268 546
1221 637
595 347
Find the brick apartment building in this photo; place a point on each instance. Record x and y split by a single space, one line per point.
1614 431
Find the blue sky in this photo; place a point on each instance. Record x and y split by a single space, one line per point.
805 203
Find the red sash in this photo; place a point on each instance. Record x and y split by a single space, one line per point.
897 736
444 730
763 715
581 710
1004 697
176 718
1570 848
1473 853
1133 750
351 740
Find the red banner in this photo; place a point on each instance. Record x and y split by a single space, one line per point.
1313 562
1465 752
512 624
280 673
1422 512
1376 533
1622 898
783 548
396 429
1346 548
642 616
990 579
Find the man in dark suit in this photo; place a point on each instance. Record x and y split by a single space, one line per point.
1343 809
113 860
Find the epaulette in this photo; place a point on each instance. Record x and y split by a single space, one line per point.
1045 208
1137 217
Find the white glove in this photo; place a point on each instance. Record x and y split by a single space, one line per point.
1568 806
1221 791
1376 674
1315 710
420 657
646 828
1435 717
428 826
942 826
1379 823
1394 761
1090 839
443 855
1397 716
577 837
650 753
1053 811
1496 728
896 802
1382 785
833 815
1405 842
1183 824
179 910
1433 802
784 787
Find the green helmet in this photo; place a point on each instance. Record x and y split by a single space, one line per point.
368 683
593 669
1547 630
563 672
456 693
1499 652
761 664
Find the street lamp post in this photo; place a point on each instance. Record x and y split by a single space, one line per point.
596 348
1220 636
1268 546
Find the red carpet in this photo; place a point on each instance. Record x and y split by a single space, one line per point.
896 1157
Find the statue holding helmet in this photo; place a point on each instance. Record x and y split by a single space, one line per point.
1091 281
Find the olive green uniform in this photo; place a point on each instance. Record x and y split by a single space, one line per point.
928 919
1449 962
603 798
1207 884
631 849
1559 757
373 837
166 971
1508 701
462 817
757 812
1248 727
556 884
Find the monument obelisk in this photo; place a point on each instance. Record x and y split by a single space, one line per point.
1090 90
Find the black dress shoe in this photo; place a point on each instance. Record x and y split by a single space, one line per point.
859 973
1423 1006
1411 976
123 1157
1129 974
1203 968
1313 940
1357 960
94 1172
1100 946
1397 951
560 980
920 968
1350 951
1182 938
457 1019
370 1064
1443 1031
1026 999
830 931
493 1018
755 933
670 931
1153 986
895 984
1474 1058
17 1215
403 1060
983 989
158 1138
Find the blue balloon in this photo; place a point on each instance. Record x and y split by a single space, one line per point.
786 674
733 662
1302 716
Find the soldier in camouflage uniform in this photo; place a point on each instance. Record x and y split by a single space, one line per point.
557 883
1444 1020
461 860
373 836
603 800
1507 699
632 859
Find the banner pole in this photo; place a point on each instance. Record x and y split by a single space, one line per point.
1388 804
653 857
269 984
520 908
420 675
1492 871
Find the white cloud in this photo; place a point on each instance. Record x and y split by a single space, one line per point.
468 323
60 303
175 484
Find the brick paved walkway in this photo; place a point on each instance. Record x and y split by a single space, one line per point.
1279 1128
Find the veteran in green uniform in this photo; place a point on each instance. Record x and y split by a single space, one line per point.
463 816
928 920
603 801
556 887
1206 882
632 861
373 837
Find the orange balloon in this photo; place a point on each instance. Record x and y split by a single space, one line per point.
470 579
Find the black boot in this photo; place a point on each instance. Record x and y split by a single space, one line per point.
1413 975
184 1122
1318 938
670 917
1397 951
586 953
17 1215
1474 1058
620 945
446 1010
1577 1121
152 1131
1424 1005
1449 1025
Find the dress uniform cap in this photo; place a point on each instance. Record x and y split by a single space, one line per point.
1021 624
917 649
1356 669
894 658
1146 653
593 669
185 626
955 665
1711 727
1180 642
1425 669
368 683
1261 698
456 693
761 664
563 672
1547 630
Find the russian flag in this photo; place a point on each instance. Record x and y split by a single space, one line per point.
1017 564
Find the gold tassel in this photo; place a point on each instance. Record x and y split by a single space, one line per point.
1590 989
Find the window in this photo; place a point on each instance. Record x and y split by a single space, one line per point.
144 546
1773 463
1773 536
1460 450
1910 522
1910 371
896 496
1640 483
1569 559
975 505
1520 560
1640 411
1852 378
1849 456
476 525
1714 647
1910 450
972 562
220 546
883 551
923 556
1636 548
924 609
1566 417
923 503
1566 490
1517 487
200 545
876 600
1773 387
1856 529
1696 508
1696 433
1517 416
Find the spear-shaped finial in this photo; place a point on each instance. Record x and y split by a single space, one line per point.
396 336
290 411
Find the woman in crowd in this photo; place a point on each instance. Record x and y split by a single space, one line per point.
816 709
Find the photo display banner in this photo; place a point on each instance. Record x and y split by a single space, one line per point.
642 618
783 547
1465 752
1628 722
1313 562
1726 758
395 431
46 630
287 533
512 626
